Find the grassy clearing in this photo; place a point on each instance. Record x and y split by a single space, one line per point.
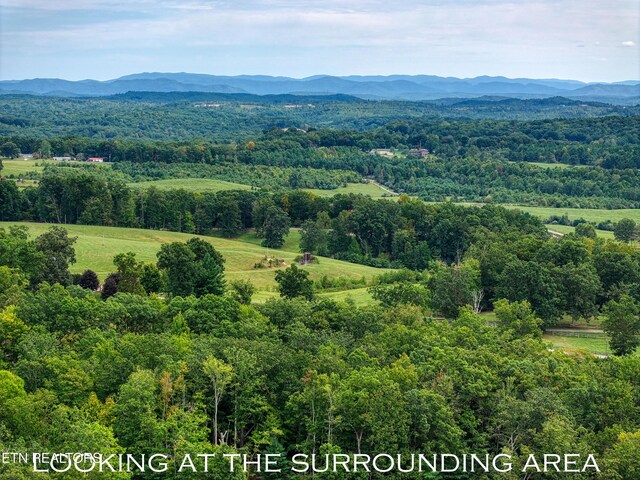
359 296
17 167
598 346
213 185
489 316
190 184
562 166
291 243
370 189
589 214
96 247
567 229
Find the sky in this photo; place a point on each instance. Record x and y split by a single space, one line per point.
588 40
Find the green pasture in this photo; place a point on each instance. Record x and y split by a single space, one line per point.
190 184
291 243
562 166
567 229
597 346
369 189
96 247
18 166
214 185
589 214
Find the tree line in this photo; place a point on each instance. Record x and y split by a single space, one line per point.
482 161
508 253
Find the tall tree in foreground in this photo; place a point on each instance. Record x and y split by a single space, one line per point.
517 317
271 222
293 282
208 269
9 150
195 267
178 261
57 247
622 324
625 230
130 271
453 286
220 374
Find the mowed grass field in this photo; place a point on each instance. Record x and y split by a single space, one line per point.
190 184
589 214
596 215
597 346
370 189
214 185
96 247
17 167
562 166
567 229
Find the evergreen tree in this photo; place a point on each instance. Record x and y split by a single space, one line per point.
89 280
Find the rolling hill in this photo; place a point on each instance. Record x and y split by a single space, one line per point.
398 87
96 247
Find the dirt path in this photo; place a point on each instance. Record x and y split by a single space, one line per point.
373 182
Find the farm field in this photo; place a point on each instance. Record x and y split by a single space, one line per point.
214 185
589 214
190 184
562 166
16 167
96 247
567 229
371 189
597 346
291 243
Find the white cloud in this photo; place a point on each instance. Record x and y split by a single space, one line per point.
628 43
464 36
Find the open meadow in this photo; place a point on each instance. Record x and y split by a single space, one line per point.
14 168
96 247
372 190
590 214
190 184
213 185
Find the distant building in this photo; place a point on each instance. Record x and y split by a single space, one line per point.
306 259
26 156
419 152
384 152
95 159
63 159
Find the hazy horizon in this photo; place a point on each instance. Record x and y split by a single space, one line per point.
322 75
588 41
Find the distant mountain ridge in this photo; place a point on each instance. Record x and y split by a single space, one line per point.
392 87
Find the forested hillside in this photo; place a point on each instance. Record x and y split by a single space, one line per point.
173 352
219 117
199 370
